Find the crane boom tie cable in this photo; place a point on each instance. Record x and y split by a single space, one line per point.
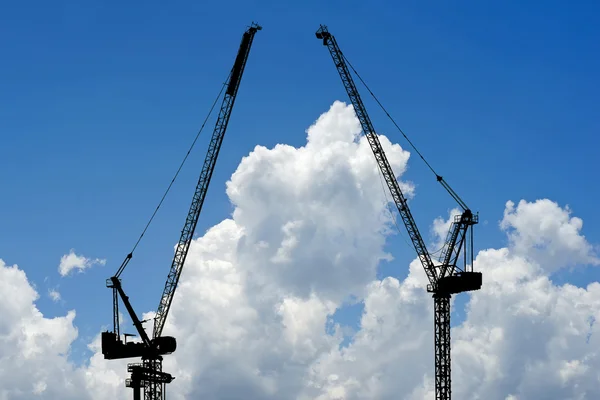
438 177
130 255
391 119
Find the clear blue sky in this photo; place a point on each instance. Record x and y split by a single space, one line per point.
99 100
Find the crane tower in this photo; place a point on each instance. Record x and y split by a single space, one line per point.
445 277
148 374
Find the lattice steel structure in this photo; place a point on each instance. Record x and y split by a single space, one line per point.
445 278
149 376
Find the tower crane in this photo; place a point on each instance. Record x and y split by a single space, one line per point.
148 374
445 277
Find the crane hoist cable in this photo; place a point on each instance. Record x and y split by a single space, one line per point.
439 178
130 255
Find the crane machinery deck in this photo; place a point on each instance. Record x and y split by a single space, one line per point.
148 374
445 278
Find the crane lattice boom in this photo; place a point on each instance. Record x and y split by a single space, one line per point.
384 165
201 188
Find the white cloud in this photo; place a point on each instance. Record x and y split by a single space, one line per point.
72 261
327 196
54 295
523 336
292 222
33 348
547 234
252 312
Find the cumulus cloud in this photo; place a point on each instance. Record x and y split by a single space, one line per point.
547 234
326 196
273 270
253 311
72 261
33 348
524 337
54 295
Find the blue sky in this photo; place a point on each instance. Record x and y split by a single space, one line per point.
100 101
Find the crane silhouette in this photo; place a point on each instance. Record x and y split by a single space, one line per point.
148 374
445 278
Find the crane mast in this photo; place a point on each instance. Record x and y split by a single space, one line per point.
444 278
148 374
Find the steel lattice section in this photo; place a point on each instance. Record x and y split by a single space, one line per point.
192 218
205 176
456 241
153 388
442 347
382 161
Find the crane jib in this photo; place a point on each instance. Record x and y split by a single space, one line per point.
384 165
204 180
435 273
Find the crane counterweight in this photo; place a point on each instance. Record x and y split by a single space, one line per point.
463 281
